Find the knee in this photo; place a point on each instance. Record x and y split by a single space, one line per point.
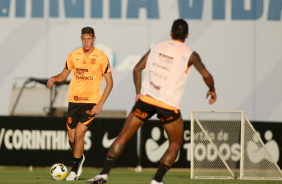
176 144
116 149
71 142
79 136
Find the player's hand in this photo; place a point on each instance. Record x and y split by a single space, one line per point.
50 82
96 109
213 96
137 97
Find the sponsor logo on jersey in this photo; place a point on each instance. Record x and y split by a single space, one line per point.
165 57
84 77
78 98
81 70
93 61
155 86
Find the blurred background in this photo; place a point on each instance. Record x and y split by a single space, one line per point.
239 42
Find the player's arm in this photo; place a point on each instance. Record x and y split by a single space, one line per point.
207 77
109 86
137 73
58 78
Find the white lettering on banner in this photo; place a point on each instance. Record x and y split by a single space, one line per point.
211 153
201 136
39 139
187 147
222 136
47 135
186 135
27 139
56 143
236 150
87 140
1 136
228 152
187 9
7 143
17 139
206 150
200 152
224 150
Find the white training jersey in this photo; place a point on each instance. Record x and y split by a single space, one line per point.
166 72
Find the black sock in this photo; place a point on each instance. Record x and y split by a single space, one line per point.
161 172
75 164
109 163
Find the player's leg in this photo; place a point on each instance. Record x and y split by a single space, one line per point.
85 119
174 131
71 133
131 125
72 122
73 173
78 157
80 131
77 133
140 113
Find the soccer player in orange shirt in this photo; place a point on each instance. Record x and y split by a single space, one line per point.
89 66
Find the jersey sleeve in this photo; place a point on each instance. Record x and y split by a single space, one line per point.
106 67
69 63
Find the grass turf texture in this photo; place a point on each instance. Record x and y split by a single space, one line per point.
40 175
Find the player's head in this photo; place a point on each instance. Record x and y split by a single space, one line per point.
87 38
88 30
179 29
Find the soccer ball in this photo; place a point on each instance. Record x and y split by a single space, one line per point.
59 171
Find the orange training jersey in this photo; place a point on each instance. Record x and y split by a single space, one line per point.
88 71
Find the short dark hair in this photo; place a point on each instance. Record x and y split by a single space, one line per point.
88 30
179 29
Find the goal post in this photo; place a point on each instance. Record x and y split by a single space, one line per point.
224 144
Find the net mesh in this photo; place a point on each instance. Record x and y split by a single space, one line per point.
216 148
257 160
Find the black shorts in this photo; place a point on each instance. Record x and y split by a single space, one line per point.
79 112
145 111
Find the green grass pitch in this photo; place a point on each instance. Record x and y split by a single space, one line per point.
40 175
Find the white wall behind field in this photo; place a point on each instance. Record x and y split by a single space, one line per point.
244 56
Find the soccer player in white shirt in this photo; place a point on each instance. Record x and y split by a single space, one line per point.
166 67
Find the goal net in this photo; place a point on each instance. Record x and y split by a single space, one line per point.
226 145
